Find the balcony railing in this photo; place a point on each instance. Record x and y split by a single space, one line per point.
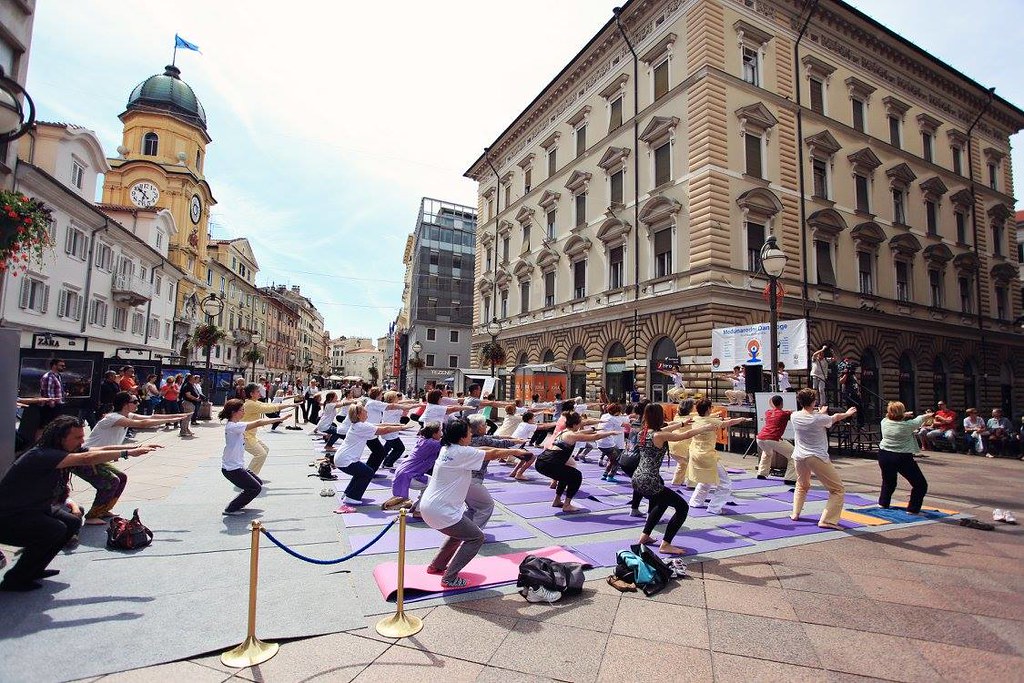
131 290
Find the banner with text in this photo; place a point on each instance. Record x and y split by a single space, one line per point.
750 345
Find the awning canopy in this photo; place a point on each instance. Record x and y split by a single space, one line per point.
541 367
352 378
336 378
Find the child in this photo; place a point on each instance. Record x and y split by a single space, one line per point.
611 447
526 430
411 471
233 460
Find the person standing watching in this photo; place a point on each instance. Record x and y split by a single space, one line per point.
51 387
108 390
810 429
819 372
770 441
32 492
896 456
190 402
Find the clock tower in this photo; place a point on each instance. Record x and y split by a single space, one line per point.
160 165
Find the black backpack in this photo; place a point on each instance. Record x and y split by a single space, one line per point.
542 572
325 470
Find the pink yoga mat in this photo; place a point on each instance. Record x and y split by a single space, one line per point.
421 538
783 527
481 572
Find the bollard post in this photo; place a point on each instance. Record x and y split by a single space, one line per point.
252 651
400 624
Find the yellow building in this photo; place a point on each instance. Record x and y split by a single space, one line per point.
231 275
160 164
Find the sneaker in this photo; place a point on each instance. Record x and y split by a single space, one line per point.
457 582
352 501
998 515
604 477
344 510
232 512
540 594
1009 518
611 479
989 455
761 476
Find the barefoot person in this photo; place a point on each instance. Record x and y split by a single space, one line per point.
109 481
410 472
896 455
254 411
705 467
652 444
347 457
810 429
442 505
233 459
770 441
553 462
32 493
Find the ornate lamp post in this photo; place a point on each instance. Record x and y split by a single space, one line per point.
212 306
773 262
416 348
493 329
255 338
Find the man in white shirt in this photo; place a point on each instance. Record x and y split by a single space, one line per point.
810 455
738 393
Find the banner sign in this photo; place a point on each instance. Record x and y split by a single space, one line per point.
750 345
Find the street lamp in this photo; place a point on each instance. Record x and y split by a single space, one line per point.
773 262
254 337
493 329
13 119
416 348
212 306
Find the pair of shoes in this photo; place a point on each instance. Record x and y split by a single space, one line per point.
989 455
327 493
540 594
457 582
620 585
975 524
344 510
352 501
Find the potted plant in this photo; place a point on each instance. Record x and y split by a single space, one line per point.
208 335
24 231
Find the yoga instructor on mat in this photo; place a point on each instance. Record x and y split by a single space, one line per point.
896 455
442 504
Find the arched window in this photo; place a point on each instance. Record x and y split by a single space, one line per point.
908 382
1006 390
971 386
870 384
617 379
150 144
659 383
548 357
940 382
578 373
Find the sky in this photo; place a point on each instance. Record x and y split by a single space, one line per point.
331 121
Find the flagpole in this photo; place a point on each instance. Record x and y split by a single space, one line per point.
174 57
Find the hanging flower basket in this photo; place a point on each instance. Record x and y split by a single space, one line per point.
24 231
252 356
492 353
417 363
208 335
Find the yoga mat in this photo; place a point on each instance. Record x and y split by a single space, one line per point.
735 470
750 507
818 494
479 573
899 504
744 484
866 520
525 494
900 515
783 527
545 509
370 515
695 542
417 538
573 525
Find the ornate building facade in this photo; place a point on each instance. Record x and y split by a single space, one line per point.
896 258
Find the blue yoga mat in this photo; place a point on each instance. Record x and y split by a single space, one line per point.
900 515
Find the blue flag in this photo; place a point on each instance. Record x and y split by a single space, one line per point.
182 43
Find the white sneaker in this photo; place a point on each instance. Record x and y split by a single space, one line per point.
542 594
352 501
998 515
1008 517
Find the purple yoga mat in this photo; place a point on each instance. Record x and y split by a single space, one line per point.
735 470
524 494
744 484
695 542
745 506
817 494
423 538
545 509
783 527
371 515
573 525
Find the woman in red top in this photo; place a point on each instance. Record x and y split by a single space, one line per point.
770 441
170 391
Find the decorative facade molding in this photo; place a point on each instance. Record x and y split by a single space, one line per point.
549 200
578 181
822 144
938 254
928 124
580 116
747 33
755 119
616 87
933 188
613 158
816 68
1004 273
901 175
966 262
895 106
524 215
613 231
827 222
659 129
522 269
962 199
659 49
864 161
859 89
551 140
547 259
868 233
759 204
526 161
905 244
658 211
577 246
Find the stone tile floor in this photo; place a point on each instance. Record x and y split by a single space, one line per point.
921 603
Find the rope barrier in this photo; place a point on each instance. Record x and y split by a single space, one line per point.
313 560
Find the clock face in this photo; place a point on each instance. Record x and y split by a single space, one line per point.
144 194
196 208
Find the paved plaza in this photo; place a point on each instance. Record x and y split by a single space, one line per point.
927 601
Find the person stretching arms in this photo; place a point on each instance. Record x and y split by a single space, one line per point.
233 459
553 461
810 429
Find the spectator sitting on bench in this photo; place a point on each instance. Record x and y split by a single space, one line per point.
974 432
1000 434
943 426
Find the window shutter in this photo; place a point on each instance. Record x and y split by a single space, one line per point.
69 241
25 298
46 299
83 247
62 303
103 315
79 301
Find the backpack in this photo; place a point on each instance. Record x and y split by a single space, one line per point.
642 566
128 534
566 578
325 470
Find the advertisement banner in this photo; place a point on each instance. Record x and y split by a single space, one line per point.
750 344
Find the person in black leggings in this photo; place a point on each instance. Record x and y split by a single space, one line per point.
652 442
553 461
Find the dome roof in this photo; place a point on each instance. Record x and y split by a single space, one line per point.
167 92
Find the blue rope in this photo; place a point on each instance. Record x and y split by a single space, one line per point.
313 560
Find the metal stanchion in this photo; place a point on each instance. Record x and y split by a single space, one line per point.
400 624
253 651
